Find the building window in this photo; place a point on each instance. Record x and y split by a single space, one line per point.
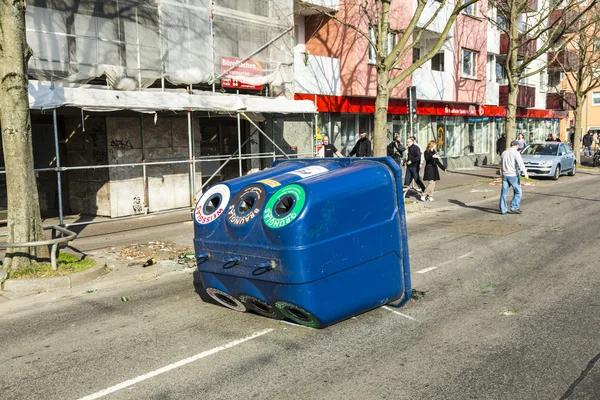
470 9
491 68
522 23
392 40
596 99
500 74
543 80
554 79
437 62
416 54
372 55
469 63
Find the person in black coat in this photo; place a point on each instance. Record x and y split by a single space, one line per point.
431 174
413 158
362 148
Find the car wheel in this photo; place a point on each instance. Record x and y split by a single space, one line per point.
556 172
574 170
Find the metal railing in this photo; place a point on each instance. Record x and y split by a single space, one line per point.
54 242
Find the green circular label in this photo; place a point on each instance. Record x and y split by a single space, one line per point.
295 193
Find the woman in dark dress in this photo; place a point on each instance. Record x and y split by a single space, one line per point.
431 174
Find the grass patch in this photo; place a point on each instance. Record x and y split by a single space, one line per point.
523 179
67 264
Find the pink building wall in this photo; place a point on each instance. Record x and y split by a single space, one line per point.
331 39
471 33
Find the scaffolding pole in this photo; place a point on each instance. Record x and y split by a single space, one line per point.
58 177
265 135
192 163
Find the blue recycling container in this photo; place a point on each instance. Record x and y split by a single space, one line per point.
312 240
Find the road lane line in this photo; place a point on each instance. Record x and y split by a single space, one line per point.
399 313
170 367
422 271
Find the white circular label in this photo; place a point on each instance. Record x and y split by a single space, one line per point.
204 218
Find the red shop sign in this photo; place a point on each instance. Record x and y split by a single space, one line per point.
247 68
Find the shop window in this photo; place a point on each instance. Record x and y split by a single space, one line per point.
477 132
453 140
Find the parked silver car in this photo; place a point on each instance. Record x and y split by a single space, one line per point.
549 159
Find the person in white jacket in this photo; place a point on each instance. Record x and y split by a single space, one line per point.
511 166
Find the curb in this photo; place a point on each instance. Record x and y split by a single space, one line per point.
59 282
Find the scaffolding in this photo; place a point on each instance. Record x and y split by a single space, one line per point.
135 45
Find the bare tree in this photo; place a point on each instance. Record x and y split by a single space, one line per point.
24 221
532 30
580 62
375 18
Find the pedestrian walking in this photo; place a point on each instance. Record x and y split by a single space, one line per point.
501 144
396 150
413 158
588 139
511 165
431 174
362 148
329 150
522 142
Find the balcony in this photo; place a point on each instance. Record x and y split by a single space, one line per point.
569 20
564 60
560 101
525 98
527 47
312 6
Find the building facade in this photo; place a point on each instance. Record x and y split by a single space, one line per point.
461 92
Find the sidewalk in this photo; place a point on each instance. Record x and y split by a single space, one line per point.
125 244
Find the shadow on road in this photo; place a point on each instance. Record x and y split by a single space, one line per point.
484 209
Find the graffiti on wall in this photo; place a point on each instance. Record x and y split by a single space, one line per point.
119 144
137 205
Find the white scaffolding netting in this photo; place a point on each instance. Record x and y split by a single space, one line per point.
135 43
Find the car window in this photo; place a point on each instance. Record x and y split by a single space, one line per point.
561 149
569 149
541 149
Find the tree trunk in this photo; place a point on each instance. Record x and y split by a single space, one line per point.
380 138
511 113
577 127
24 221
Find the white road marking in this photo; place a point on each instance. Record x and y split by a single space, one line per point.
399 313
170 367
424 270
293 324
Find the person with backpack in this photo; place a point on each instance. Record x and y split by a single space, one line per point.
396 150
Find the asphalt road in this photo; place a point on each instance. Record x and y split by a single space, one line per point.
510 311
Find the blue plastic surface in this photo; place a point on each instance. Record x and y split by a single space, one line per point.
317 242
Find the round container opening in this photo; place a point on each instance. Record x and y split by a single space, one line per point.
284 206
246 204
212 204
300 315
261 306
226 299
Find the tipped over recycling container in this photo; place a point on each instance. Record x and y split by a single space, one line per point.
311 240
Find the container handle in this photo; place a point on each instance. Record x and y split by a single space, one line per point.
231 262
262 268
